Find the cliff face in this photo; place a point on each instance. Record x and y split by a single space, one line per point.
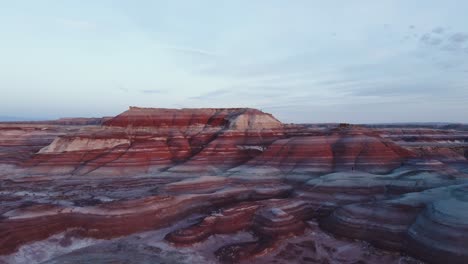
230 185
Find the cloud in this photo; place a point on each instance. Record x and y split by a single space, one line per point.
152 91
438 30
192 51
459 37
122 89
447 65
298 62
430 39
77 23
212 94
395 89
439 37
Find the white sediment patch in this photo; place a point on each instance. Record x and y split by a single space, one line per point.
256 121
40 251
60 145
247 147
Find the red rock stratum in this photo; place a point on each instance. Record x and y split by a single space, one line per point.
230 185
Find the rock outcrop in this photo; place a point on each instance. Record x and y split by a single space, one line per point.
146 140
117 218
439 233
341 149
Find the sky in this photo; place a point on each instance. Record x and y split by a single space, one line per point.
362 61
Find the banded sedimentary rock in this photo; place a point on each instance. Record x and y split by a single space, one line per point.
409 223
19 142
146 140
440 232
340 149
233 185
117 218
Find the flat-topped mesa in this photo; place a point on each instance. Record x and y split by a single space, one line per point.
232 118
145 140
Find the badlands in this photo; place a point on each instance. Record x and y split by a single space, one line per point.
232 185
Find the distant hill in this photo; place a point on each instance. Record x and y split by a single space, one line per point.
433 125
62 121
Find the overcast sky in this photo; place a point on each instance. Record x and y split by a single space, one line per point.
303 61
